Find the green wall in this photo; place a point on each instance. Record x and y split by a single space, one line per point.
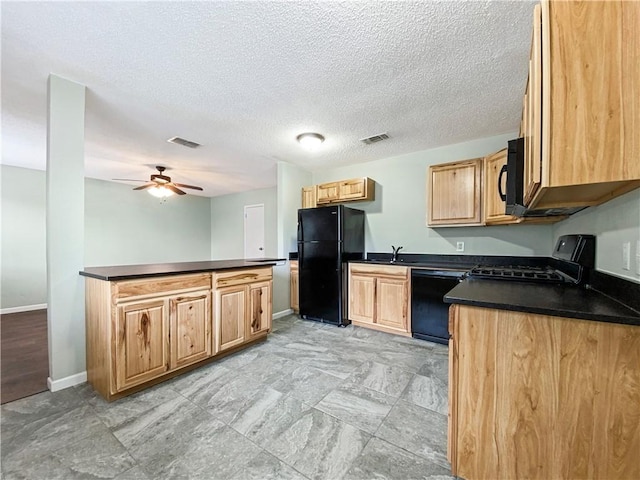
398 214
227 235
125 227
613 223
121 227
23 259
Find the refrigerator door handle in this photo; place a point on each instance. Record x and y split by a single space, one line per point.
300 255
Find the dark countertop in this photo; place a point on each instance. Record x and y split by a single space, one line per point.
606 299
128 272
562 300
458 267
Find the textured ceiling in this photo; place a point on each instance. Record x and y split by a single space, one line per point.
244 78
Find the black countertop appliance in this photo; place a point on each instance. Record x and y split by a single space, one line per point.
572 259
328 237
429 313
514 196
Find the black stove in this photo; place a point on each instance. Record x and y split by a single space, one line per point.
522 273
572 258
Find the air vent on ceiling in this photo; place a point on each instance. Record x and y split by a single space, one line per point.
375 138
183 142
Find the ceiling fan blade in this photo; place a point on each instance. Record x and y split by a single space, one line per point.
148 185
174 189
182 185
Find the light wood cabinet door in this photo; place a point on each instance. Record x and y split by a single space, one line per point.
454 193
533 134
356 189
541 397
494 182
231 305
392 299
309 197
362 298
190 328
142 347
379 297
583 143
294 290
327 192
259 314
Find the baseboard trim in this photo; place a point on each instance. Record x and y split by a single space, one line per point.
24 308
66 382
283 313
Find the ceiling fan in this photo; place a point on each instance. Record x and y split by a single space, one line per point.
160 185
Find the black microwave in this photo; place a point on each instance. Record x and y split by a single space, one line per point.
514 196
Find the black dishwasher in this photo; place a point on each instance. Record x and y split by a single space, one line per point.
429 313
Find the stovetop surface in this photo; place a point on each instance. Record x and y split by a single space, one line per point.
537 274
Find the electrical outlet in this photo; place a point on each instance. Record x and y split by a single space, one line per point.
626 256
459 246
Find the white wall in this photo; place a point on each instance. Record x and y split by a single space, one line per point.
398 214
613 223
125 227
23 263
227 234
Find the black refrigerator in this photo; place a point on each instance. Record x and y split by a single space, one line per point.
328 237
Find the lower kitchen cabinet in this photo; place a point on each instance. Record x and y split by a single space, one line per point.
259 314
140 342
242 306
142 331
379 297
535 396
231 303
190 328
294 289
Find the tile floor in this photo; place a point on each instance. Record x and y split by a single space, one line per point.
312 402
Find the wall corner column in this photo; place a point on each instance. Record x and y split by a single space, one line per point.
65 232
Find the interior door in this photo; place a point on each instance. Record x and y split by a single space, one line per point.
254 231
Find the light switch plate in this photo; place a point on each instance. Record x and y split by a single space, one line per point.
459 246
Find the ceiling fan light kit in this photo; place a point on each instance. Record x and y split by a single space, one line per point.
310 140
160 191
161 186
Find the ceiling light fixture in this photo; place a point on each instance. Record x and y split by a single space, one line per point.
309 140
160 191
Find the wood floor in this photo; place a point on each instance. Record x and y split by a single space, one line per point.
24 366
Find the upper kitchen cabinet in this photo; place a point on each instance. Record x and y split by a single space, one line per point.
494 193
309 197
355 189
327 193
454 193
495 184
582 107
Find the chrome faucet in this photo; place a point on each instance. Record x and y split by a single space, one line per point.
394 257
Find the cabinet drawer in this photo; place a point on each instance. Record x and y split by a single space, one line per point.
241 277
380 270
147 287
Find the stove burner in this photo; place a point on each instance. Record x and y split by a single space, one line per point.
528 274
